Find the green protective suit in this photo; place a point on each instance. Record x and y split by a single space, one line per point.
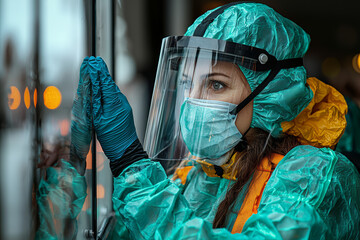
60 198
312 194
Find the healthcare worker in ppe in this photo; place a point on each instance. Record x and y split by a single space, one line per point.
239 141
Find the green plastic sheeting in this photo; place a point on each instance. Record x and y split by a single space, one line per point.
60 198
313 193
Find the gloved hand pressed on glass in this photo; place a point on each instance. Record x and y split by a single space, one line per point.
81 120
113 119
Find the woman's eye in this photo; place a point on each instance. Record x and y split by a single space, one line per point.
216 85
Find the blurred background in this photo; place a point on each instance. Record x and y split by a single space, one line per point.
42 45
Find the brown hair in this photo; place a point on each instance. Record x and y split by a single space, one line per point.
260 144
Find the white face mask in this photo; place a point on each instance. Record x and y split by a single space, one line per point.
208 129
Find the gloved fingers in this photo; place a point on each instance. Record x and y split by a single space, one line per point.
81 113
84 66
102 65
112 114
80 139
84 72
108 85
112 97
96 94
107 97
81 104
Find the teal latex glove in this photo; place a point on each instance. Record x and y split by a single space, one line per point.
113 118
81 120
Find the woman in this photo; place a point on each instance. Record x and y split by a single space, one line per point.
254 137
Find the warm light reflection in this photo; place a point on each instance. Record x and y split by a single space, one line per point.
356 63
27 98
87 200
100 159
64 127
14 98
52 97
35 97
89 160
98 147
100 191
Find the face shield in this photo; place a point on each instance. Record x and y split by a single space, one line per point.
199 89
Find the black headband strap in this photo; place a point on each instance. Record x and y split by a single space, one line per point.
201 28
282 64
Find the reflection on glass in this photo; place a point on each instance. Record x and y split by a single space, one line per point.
27 98
16 125
35 97
53 197
61 192
52 97
14 98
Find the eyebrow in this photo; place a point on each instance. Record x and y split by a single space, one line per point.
216 74
210 75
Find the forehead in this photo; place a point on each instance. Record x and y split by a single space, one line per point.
210 65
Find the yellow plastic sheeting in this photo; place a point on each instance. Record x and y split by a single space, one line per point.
181 173
322 122
228 168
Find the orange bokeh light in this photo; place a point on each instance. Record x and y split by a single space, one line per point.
356 63
35 97
14 98
52 97
27 98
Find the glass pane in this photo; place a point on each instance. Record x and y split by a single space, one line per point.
17 133
64 191
104 49
46 186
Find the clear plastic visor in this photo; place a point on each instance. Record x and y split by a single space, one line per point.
195 90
